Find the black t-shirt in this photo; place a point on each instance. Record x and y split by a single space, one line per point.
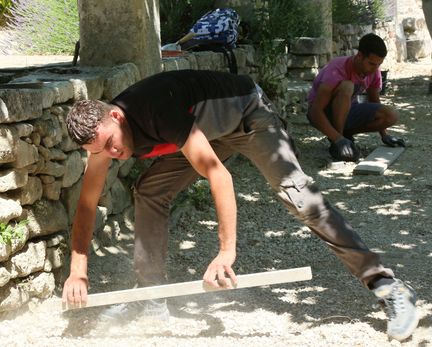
162 108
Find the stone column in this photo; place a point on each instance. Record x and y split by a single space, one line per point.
325 7
115 32
427 10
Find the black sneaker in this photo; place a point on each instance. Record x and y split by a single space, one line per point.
155 310
399 303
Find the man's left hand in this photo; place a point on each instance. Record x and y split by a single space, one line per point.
220 273
393 141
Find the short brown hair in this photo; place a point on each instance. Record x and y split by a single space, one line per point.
84 118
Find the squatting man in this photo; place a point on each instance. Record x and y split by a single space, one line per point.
334 108
192 121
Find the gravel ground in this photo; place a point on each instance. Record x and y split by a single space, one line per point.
391 212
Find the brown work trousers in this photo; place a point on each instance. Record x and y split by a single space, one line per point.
262 137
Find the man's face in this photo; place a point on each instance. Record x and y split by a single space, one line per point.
369 64
113 138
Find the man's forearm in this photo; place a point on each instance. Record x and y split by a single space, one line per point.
82 232
226 208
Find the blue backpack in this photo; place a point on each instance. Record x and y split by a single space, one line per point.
216 31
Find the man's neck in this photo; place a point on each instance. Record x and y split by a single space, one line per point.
356 66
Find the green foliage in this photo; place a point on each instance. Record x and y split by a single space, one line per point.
10 232
200 195
45 26
275 24
5 6
357 11
287 19
178 16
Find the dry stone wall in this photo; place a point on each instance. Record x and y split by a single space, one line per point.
41 171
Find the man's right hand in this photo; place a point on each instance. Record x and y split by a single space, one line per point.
75 290
344 150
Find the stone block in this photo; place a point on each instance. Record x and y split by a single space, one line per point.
204 60
40 217
119 78
74 168
62 90
26 155
192 61
30 259
54 258
28 194
310 45
52 168
12 179
49 129
22 129
88 87
302 61
20 104
5 276
8 147
42 285
52 191
12 297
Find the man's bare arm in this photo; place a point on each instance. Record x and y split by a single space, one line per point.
317 115
204 160
75 287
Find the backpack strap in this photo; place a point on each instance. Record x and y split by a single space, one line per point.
231 58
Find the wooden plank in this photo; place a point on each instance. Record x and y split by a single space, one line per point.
378 161
188 288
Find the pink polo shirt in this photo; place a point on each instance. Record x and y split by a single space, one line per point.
341 69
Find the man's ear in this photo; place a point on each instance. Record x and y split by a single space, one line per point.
117 116
360 55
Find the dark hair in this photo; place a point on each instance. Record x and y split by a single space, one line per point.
84 118
372 44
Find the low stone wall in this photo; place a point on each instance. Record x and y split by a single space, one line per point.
41 171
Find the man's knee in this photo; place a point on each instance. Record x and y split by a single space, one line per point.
388 116
306 202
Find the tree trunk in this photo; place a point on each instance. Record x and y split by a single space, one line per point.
115 32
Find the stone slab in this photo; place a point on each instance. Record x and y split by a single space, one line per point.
378 160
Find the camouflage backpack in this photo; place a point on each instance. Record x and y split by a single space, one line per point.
216 31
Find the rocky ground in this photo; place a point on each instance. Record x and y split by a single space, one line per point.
392 213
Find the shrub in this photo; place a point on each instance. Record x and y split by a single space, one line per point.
274 25
9 232
357 11
44 26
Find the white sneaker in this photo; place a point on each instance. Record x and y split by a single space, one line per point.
399 300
